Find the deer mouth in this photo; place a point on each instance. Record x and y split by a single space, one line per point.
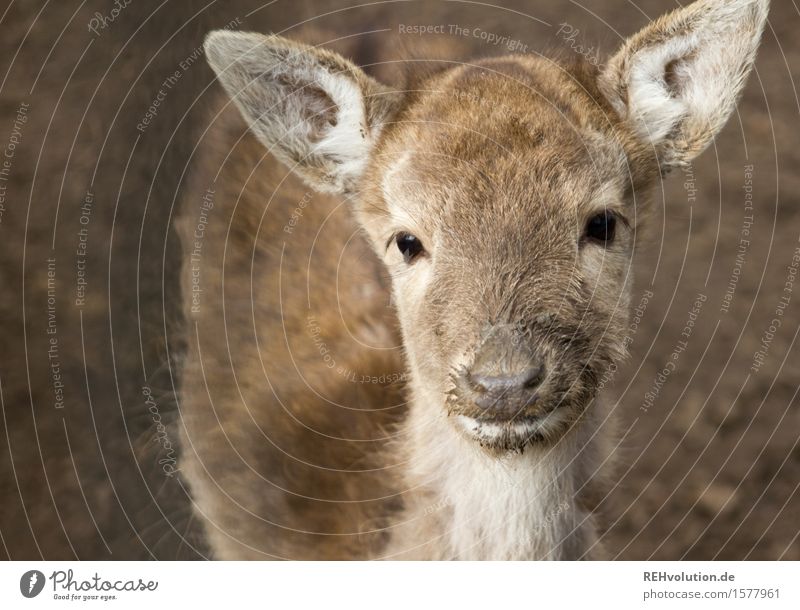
502 423
515 434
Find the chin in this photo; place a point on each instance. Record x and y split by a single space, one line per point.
518 433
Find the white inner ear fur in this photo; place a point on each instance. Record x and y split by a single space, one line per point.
350 140
653 110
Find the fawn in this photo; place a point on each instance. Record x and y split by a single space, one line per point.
499 201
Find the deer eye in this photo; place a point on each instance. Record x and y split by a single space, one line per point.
409 246
601 227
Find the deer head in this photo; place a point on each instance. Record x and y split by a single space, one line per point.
504 196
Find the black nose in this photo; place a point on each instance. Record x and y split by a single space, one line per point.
506 395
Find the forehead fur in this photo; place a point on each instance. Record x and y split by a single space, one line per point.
498 137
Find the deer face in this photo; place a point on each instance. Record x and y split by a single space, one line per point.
501 203
505 198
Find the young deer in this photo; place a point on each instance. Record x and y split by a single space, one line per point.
503 197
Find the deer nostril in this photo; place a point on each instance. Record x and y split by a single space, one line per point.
535 376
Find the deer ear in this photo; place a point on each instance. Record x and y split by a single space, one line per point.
315 111
676 82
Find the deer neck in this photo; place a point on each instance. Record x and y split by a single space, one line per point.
471 503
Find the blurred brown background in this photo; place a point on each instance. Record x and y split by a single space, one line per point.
709 467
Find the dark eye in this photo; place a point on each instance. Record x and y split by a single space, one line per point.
602 227
409 246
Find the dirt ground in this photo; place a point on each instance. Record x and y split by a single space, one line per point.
709 462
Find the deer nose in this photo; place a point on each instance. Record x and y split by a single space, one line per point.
506 395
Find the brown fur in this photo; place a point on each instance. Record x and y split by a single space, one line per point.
281 441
